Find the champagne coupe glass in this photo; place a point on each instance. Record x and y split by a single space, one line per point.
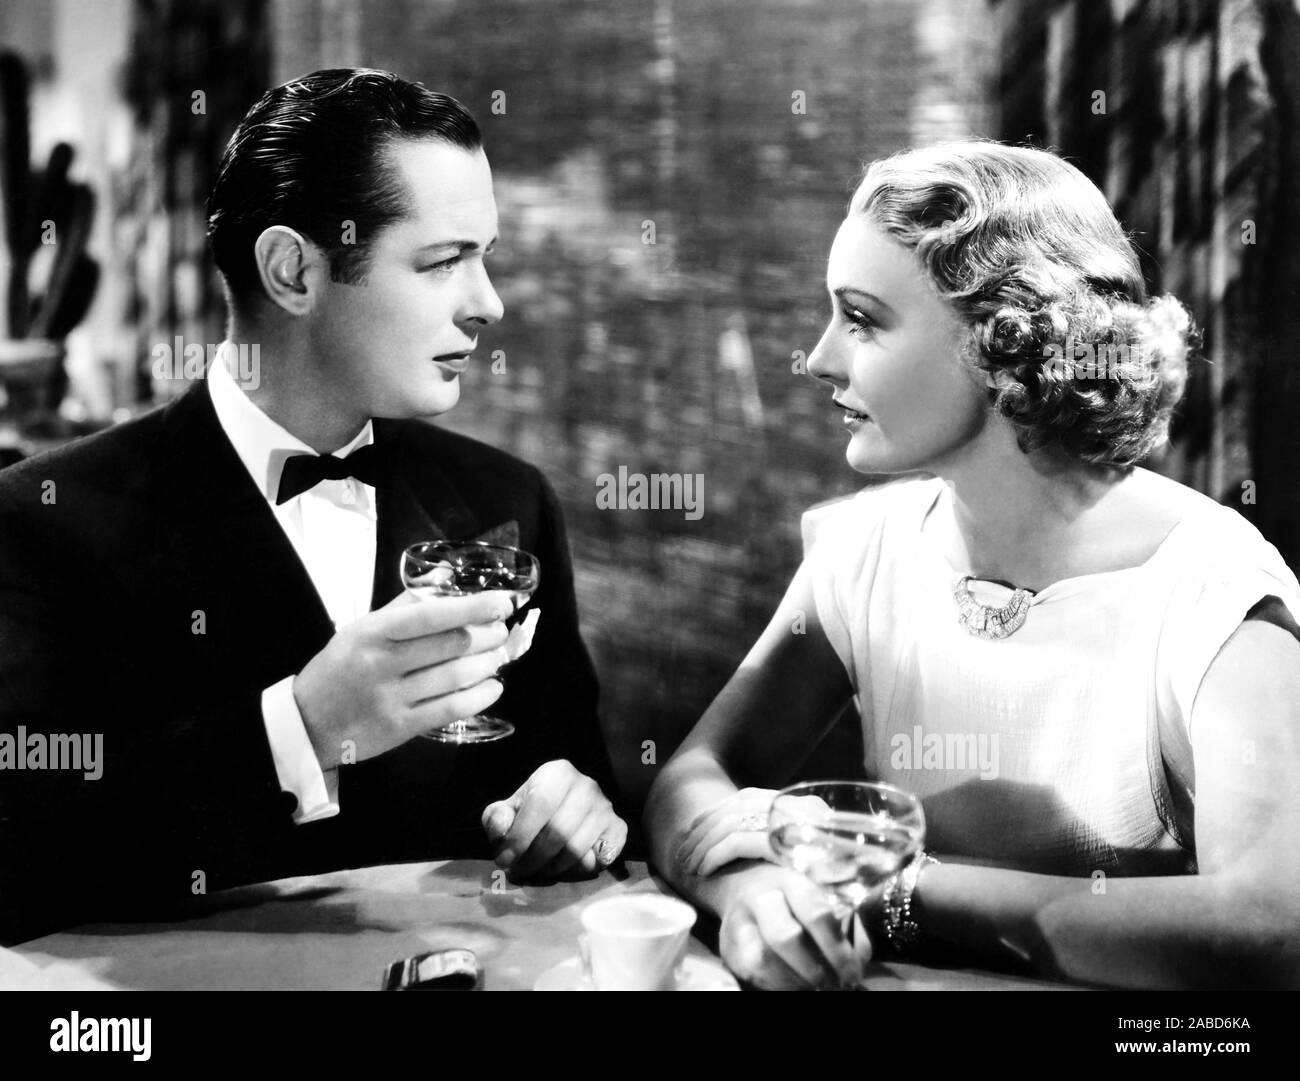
849 837
454 569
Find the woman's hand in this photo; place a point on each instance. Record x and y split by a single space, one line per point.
735 829
780 934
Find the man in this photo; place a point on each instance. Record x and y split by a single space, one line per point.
234 628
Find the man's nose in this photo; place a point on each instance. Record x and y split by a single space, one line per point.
482 305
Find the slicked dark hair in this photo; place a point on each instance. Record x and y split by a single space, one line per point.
310 155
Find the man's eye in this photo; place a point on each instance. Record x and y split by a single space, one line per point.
444 266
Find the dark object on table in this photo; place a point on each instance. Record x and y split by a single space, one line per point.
439 970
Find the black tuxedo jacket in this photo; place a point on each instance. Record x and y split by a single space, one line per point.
111 547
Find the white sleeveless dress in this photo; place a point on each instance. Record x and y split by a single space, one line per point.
1065 748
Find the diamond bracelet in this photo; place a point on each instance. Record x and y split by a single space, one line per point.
901 930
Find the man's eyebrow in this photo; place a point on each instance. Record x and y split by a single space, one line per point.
849 293
459 245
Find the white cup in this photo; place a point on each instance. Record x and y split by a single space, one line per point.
635 942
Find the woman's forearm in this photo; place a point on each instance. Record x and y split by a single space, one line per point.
688 785
1180 931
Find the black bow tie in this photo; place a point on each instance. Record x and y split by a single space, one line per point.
302 472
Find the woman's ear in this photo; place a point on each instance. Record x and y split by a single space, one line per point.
992 380
289 267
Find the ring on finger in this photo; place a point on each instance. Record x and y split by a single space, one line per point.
605 852
753 823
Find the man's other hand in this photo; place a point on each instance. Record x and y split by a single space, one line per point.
558 823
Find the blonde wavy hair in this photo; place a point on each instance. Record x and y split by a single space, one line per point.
1031 256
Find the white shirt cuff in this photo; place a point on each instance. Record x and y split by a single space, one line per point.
295 761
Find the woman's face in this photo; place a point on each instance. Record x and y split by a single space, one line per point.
892 352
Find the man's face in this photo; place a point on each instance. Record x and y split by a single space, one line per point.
394 346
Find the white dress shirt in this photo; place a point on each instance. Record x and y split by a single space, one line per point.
332 528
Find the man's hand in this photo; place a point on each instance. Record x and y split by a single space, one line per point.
553 825
779 933
414 665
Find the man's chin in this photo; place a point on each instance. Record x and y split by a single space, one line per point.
438 401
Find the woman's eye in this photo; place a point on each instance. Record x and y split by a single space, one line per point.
860 324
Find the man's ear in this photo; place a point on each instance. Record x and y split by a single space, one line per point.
291 268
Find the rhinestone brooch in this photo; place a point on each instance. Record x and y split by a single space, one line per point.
989 621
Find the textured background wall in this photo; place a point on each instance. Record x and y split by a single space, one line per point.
734 131
676 356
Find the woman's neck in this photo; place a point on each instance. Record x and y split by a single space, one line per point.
1029 519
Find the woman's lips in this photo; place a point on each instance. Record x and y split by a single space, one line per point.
852 416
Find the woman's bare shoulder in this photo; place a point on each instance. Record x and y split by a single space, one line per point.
1216 539
1158 499
1152 507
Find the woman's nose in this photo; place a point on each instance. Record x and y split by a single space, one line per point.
826 362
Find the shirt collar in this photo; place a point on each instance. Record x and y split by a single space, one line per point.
261 443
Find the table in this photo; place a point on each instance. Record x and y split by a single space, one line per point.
338 931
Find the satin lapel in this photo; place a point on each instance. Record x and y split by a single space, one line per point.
227 548
423 503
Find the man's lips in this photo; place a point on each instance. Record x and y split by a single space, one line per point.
456 362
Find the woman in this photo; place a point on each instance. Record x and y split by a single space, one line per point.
1063 654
